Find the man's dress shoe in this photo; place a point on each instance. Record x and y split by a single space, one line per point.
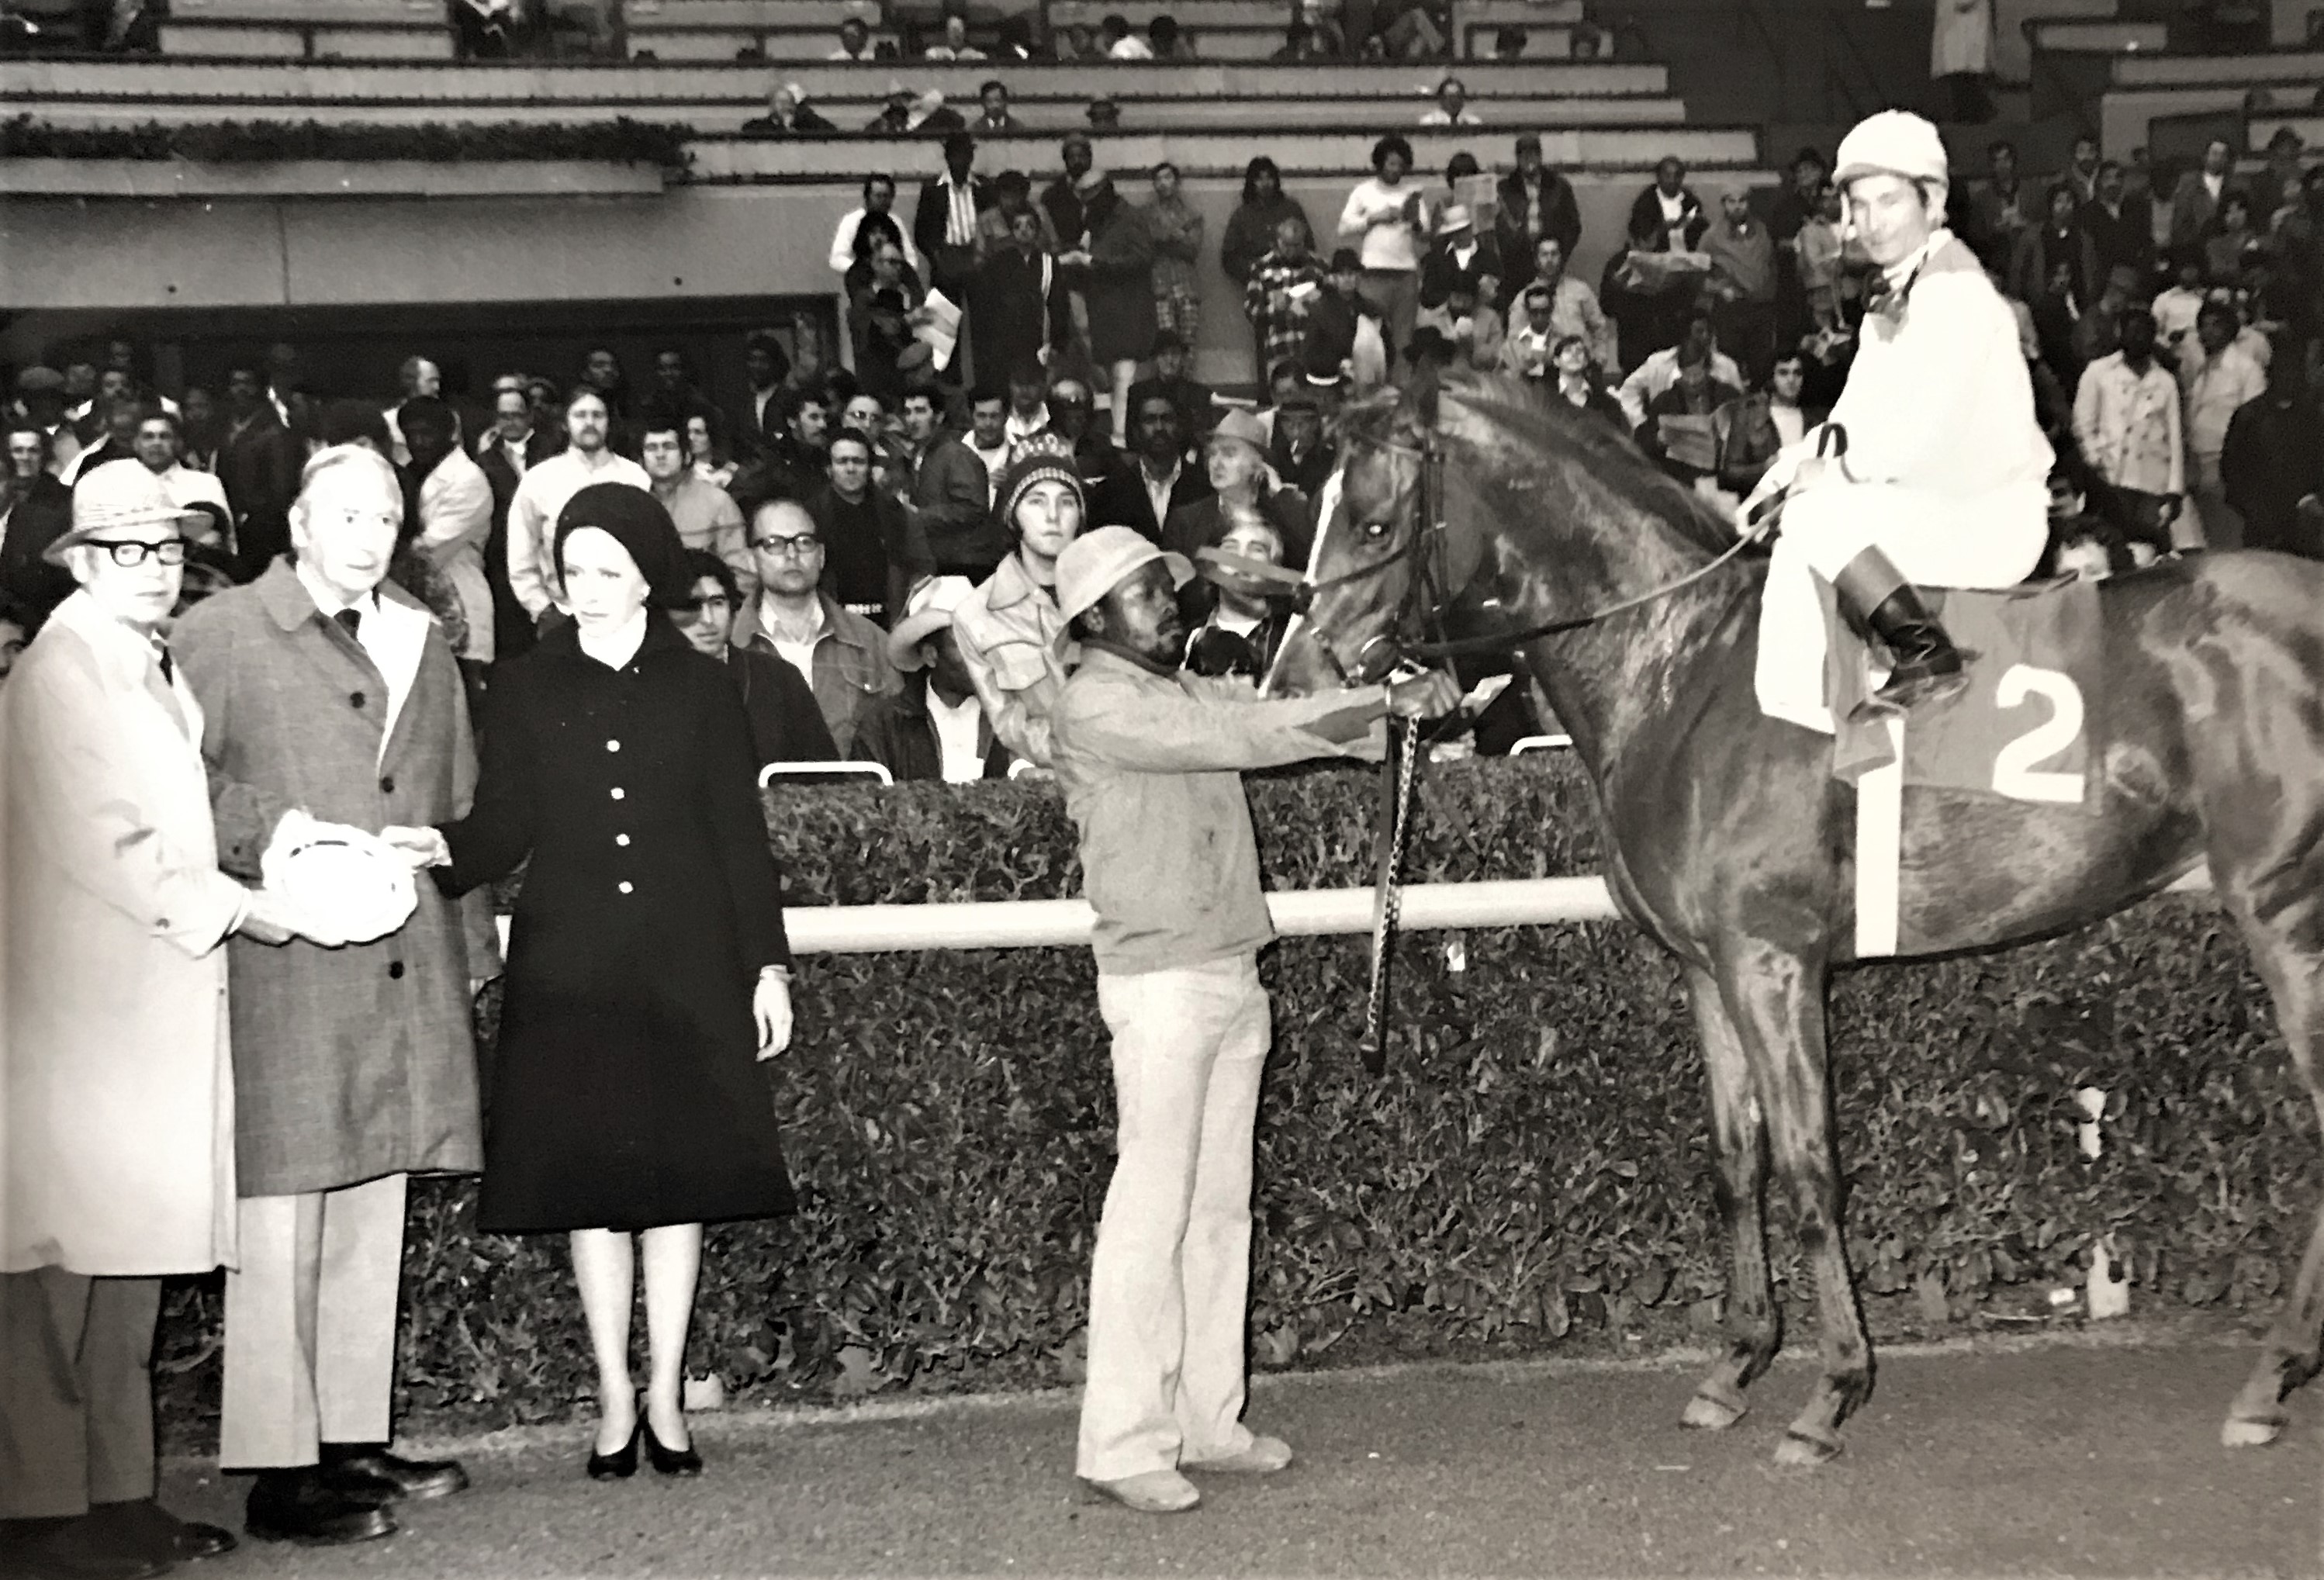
299 1506
382 1477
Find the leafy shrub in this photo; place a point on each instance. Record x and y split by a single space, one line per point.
620 141
1532 1164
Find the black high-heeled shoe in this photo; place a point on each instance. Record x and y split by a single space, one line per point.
669 1461
623 1463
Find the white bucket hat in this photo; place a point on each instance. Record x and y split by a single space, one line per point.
1095 563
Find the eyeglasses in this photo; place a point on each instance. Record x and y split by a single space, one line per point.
131 554
796 548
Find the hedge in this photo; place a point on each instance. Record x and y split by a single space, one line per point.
1532 1170
621 141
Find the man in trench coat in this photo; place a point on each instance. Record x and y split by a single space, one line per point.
117 1101
332 692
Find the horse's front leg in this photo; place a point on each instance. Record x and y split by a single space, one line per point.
1738 1144
1777 1000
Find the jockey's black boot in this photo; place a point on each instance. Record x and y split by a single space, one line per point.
1925 666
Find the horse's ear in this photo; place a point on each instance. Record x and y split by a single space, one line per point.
1420 391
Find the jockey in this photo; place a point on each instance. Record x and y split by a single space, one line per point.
1937 472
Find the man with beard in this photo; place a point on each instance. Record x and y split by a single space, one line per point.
532 513
1143 489
1150 759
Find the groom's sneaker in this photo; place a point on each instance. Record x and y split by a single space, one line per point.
1260 1457
1152 1492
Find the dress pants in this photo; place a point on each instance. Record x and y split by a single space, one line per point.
311 1324
76 1391
1397 293
1170 1277
1992 539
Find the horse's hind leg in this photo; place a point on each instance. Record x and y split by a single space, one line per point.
1738 1144
1776 999
2293 1350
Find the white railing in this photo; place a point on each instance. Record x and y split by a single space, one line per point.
1038 924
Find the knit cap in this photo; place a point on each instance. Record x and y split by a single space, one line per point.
1043 458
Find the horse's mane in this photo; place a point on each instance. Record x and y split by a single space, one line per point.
1542 433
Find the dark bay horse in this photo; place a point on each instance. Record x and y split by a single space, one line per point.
1729 841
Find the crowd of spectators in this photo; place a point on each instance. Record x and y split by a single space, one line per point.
2171 337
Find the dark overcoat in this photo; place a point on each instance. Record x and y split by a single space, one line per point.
625 1090
353 1063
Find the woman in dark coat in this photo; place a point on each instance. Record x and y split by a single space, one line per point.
648 966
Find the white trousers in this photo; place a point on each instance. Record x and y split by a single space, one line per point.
311 1324
1170 1278
1986 540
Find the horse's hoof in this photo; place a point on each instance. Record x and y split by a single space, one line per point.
2241 1432
1803 1451
1708 1414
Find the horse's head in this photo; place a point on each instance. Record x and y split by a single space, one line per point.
1380 569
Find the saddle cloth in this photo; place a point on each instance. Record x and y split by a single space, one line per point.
2024 729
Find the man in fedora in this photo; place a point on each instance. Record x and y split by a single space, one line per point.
935 728
116 1137
1150 759
329 689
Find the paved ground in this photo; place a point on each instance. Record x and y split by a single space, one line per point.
2048 1458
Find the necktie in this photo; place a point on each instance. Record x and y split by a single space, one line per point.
351 622
162 690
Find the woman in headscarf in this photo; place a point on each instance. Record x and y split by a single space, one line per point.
648 967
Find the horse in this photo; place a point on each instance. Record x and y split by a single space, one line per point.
1729 843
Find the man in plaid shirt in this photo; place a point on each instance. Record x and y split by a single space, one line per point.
1281 288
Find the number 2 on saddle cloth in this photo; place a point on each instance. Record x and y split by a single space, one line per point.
2024 729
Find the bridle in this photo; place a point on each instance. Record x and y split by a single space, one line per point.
1415 633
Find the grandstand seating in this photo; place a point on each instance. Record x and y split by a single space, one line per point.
719 97
1225 153
772 30
375 30
2142 89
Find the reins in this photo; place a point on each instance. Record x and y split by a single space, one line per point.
1383 654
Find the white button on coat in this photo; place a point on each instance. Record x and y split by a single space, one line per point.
613 745
619 792
621 839
625 886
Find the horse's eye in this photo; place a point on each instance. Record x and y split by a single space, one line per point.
1375 531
